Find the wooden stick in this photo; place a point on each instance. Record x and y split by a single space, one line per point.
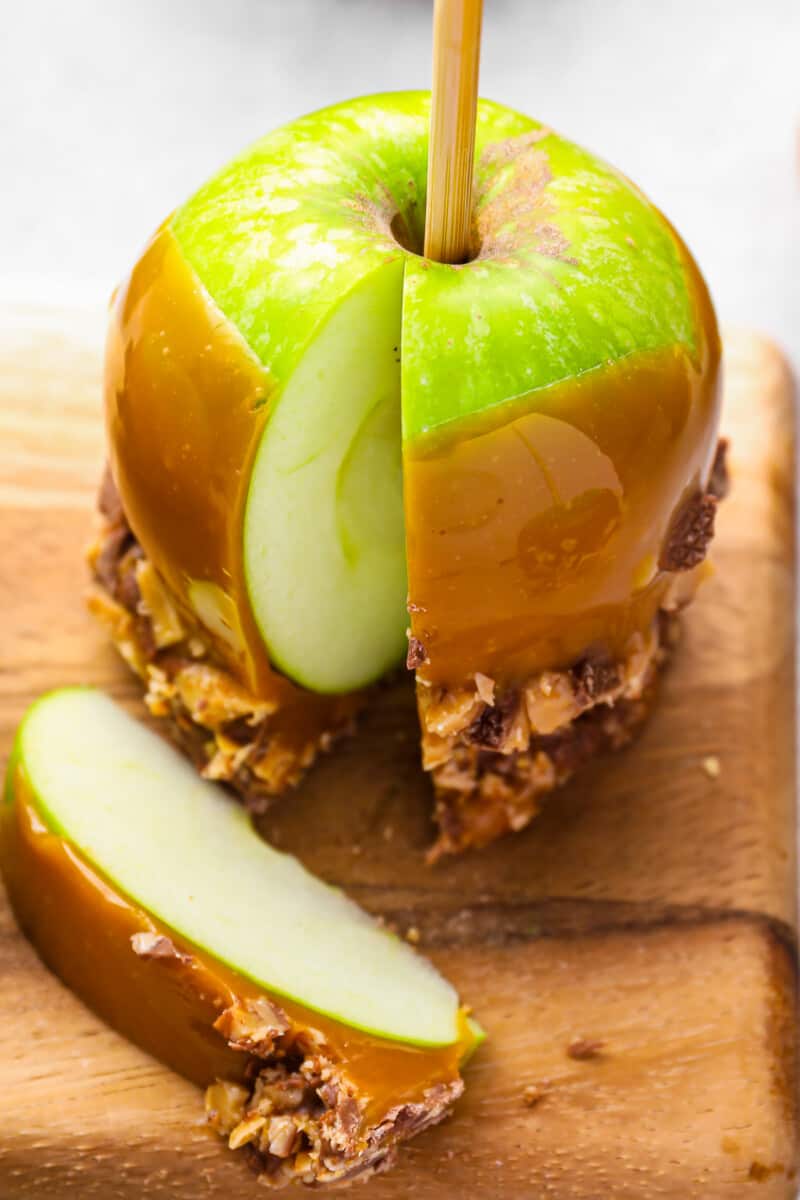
451 149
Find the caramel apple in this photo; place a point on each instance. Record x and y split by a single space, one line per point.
312 426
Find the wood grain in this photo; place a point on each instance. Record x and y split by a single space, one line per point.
651 908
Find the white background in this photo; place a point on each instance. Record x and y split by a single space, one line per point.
111 111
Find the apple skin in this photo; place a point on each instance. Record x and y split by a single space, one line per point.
573 272
574 267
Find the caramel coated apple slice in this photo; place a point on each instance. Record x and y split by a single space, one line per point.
323 1040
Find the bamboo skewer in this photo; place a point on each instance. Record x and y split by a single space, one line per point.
451 149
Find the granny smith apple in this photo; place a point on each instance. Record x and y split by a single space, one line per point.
182 850
272 466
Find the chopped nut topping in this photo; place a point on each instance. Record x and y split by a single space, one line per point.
225 1103
690 534
186 686
593 678
252 1025
490 725
283 1136
157 604
156 945
417 654
212 697
451 712
303 1120
246 1131
485 687
550 702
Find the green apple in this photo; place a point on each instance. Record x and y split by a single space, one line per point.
125 800
308 247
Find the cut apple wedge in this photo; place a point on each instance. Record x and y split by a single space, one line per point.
148 891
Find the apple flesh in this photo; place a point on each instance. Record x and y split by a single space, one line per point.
323 540
183 851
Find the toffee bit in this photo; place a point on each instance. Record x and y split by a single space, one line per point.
412 935
581 1048
417 654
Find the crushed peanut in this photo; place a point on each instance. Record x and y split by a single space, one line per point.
157 945
246 1131
485 687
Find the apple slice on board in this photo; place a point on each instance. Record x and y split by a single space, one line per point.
149 892
306 418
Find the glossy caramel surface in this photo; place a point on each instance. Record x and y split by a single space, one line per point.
186 403
534 535
82 926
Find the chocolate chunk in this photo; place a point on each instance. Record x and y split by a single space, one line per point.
690 534
593 677
417 654
491 725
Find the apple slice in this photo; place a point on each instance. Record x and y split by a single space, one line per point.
324 545
125 800
148 891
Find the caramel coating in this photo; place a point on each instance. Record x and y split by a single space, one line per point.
82 926
186 402
534 536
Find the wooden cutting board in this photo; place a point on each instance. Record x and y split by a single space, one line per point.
651 908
